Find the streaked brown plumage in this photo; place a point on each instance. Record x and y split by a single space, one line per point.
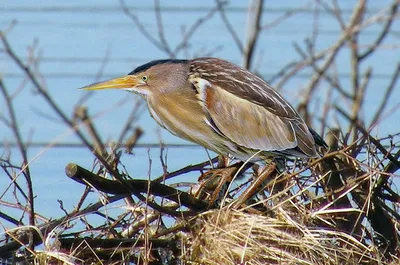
220 106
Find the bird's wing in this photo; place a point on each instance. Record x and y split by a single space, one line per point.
247 110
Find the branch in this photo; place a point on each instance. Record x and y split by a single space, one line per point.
41 90
22 148
228 25
22 237
253 30
349 31
370 138
187 169
135 186
332 81
388 92
142 29
192 30
384 32
358 100
160 27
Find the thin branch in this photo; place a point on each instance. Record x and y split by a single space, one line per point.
13 181
21 145
370 138
187 169
14 245
229 26
142 28
384 32
10 219
160 26
81 114
386 96
358 100
188 35
128 126
335 11
349 31
99 74
281 18
41 90
253 31
332 81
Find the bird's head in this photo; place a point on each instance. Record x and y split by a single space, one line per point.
154 77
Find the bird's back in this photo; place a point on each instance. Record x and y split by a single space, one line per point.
248 111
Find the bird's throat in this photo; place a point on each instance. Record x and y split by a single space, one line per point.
183 116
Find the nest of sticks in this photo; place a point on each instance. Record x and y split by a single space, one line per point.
337 209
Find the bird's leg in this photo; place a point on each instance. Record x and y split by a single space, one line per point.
254 187
224 169
213 181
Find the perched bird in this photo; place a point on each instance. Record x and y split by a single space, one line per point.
220 106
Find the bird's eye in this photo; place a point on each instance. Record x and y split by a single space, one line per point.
145 78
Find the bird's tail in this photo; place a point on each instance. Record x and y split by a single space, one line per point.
317 138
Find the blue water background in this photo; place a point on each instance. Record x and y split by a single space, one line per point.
74 37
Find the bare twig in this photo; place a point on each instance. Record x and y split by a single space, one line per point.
386 96
188 35
253 30
81 114
21 146
370 138
160 26
229 26
99 74
384 32
349 31
358 99
143 29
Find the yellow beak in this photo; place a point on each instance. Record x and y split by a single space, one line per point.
128 81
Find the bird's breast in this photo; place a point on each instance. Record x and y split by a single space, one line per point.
182 115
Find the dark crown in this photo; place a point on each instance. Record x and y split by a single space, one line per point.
146 66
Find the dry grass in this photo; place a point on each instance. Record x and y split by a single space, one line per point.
236 237
303 217
296 217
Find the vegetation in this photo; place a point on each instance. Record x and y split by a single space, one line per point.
341 208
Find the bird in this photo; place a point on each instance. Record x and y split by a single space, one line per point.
220 106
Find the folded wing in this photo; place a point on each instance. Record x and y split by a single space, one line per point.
251 113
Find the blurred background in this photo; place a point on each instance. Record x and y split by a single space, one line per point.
70 44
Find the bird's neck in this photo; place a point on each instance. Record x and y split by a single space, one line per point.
181 114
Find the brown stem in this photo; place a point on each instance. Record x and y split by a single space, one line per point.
23 238
21 146
253 30
135 186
